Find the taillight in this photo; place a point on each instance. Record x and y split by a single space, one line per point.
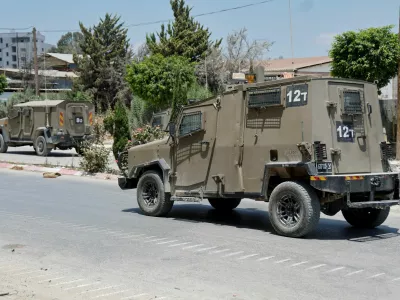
61 119
90 118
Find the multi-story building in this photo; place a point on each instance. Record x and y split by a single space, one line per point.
16 48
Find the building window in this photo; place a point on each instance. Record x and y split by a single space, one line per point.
8 63
6 45
23 58
1 40
0 50
6 53
42 50
1 59
14 49
14 66
14 58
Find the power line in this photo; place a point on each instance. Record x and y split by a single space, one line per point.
167 20
30 27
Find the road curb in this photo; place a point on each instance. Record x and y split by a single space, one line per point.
61 170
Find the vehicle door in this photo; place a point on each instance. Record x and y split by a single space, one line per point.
195 146
14 122
76 119
27 121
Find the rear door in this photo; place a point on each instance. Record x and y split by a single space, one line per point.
349 130
77 119
27 116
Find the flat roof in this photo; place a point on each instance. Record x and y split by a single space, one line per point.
39 103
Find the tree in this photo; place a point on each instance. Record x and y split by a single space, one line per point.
102 66
184 37
240 52
69 43
370 54
159 80
121 128
3 83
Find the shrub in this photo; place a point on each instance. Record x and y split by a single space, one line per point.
94 158
108 121
121 129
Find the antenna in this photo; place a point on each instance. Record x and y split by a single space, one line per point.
291 30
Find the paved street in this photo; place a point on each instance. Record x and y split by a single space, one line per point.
78 238
65 158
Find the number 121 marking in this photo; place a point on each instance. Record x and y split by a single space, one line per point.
297 94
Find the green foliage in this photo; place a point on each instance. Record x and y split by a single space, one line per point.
3 83
140 113
198 92
121 129
102 66
184 37
108 121
371 54
3 109
69 43
161 81
94 158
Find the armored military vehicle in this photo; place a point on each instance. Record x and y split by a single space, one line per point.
305 145
47 125
161 119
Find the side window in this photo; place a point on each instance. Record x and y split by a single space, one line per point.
13 113
352 103
190 123
264 97
156 121
296 95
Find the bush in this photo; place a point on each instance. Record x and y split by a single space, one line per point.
108 121
121 129
94 158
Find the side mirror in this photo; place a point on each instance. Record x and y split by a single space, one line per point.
171 129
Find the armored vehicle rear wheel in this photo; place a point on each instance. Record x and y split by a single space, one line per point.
151 196
3 145
294 209
41 146
224 204
365 217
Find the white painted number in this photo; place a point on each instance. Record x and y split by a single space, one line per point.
345 132
297 94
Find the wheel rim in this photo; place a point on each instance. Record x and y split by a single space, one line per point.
150 193
40 146
289 210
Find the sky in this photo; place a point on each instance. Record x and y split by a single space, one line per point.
314 22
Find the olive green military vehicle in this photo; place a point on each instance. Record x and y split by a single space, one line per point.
161 119
47 125
306 145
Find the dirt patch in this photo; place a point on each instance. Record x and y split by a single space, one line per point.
13 246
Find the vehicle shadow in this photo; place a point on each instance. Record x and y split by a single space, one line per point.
51 154
257 219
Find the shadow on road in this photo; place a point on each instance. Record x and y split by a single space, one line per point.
52 154
256 219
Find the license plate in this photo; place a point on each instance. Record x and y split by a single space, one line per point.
325 167
79 120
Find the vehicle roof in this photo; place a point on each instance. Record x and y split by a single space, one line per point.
40 103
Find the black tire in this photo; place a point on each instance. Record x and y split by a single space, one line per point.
41 146
161 205
299 203
79 150
224 204
365 217
3 145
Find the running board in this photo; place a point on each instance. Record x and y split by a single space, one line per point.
185 199
374 204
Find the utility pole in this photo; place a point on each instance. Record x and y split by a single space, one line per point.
398 104
205 68
35 61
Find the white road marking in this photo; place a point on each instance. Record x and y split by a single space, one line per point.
316 267
109 294
356 272
247 256
92 229
334 270
50 279
155 240
219 251
283 260
150 237
232 254
132 235
67 282
377 275
180 244
300 263
396 279
100 289
205 249
82 285
167 242
190 247
265 258
136 296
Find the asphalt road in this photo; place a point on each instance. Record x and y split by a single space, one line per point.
77 238
64 158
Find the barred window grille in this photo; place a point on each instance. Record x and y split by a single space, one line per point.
353 104
264 97
190 123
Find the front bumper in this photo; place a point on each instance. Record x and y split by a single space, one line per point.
360 184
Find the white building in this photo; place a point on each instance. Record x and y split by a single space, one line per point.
16 48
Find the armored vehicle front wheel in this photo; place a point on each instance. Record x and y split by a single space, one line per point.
294 209
365 217
151 196
3 145
41 146
224 204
